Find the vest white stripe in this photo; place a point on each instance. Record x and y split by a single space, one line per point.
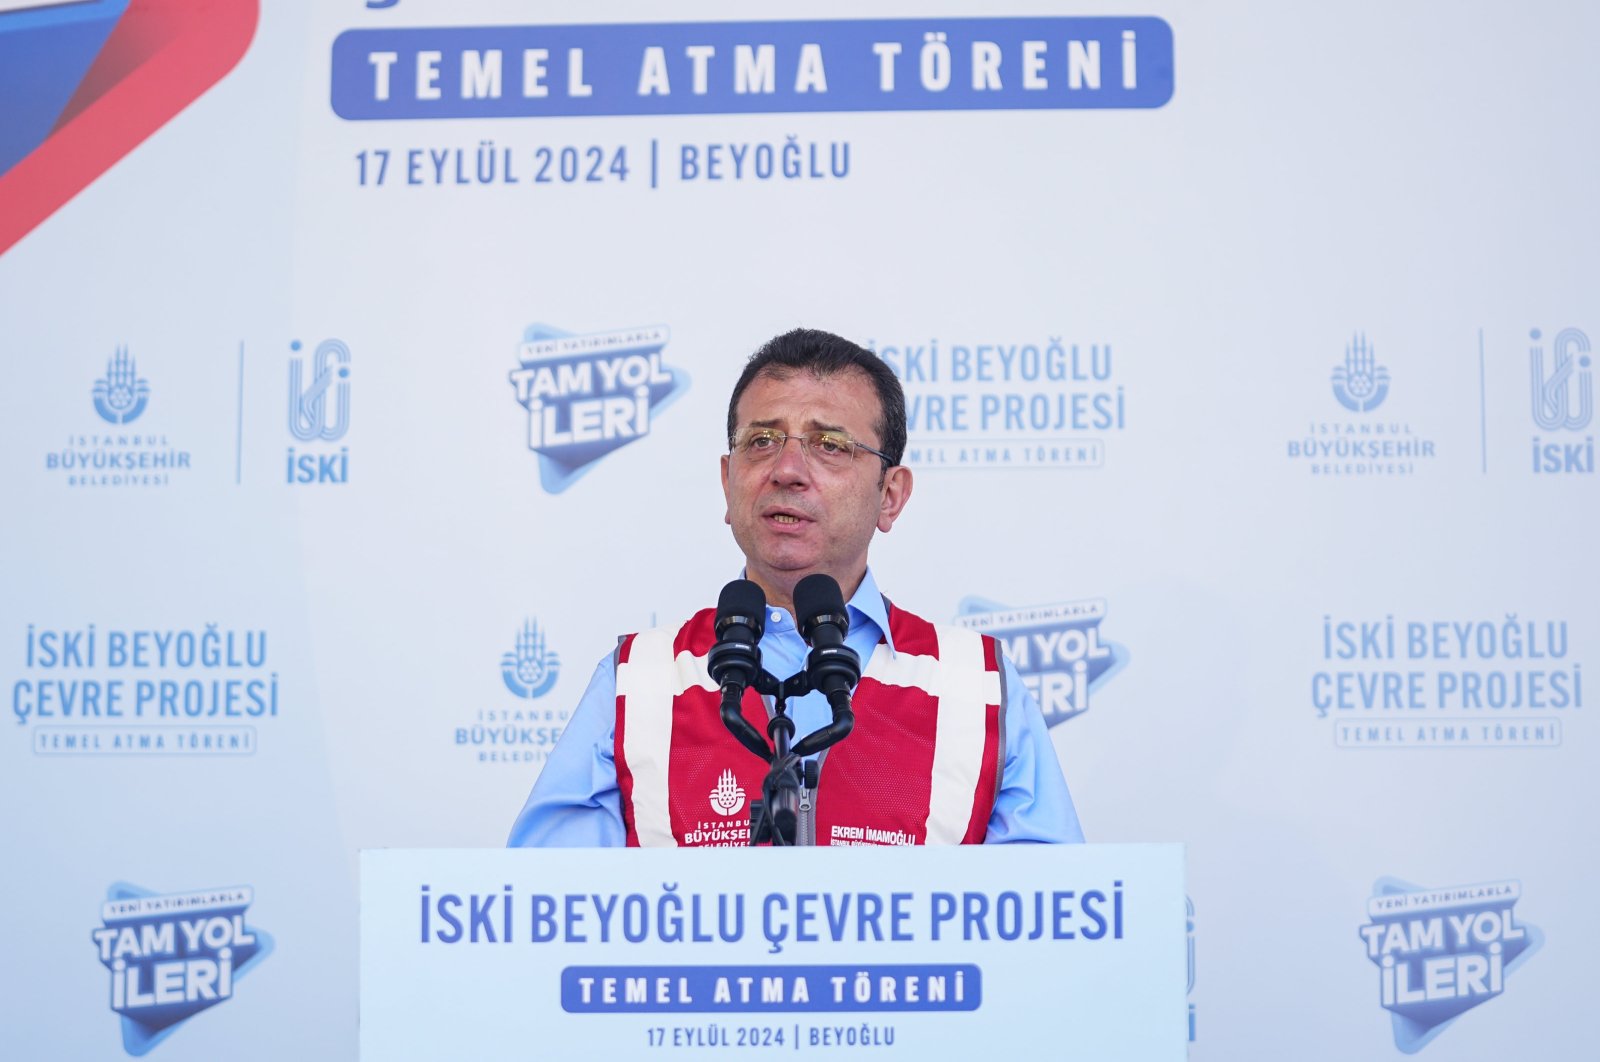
964 687
647 682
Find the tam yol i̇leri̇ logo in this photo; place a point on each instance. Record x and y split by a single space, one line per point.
589 395
172 956
1057 648
1441 952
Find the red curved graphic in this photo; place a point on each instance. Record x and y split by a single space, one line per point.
161 57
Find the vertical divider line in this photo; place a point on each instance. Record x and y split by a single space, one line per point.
1483 407
238 421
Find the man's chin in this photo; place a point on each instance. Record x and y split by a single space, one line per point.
784 570
791 568
787 551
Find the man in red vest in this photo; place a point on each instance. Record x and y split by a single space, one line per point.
948 746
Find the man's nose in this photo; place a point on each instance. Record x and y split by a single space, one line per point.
793 464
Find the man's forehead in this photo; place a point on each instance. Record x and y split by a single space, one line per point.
821 398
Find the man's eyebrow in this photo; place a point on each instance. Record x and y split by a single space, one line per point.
811 425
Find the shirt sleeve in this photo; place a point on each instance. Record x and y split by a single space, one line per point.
575 802
1033 805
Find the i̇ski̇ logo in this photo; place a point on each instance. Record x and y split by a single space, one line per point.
172 956
1441 952
1563 400
589 395
314 413
319 413
531 668
728 796
1057 648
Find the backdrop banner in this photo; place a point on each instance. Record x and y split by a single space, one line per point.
366 373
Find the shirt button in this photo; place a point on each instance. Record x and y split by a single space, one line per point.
777 617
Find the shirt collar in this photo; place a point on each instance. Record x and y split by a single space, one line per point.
867 606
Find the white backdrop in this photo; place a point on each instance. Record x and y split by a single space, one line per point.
1228 536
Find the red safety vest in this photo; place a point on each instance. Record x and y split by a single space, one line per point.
921 766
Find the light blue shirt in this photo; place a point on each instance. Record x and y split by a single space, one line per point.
575 803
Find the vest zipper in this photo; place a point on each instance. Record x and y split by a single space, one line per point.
806 831
808 818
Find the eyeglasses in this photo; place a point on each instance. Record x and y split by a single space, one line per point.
831 449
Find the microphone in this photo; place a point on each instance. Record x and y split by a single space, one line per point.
735 660
834 668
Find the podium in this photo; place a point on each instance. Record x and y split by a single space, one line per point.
998 952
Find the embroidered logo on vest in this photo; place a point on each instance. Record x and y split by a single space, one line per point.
728 796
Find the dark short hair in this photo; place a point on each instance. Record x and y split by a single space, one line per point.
825 354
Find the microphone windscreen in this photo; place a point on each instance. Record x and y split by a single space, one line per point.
817 595
742 600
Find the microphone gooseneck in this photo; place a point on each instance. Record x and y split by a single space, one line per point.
735 660
833 667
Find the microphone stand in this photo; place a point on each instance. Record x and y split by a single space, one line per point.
773 818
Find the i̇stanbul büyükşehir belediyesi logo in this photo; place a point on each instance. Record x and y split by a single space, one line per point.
121 394
526 733
122 456
1364 445
1360 383
728 797
531 668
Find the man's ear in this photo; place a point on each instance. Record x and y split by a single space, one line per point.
894 494
727 517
